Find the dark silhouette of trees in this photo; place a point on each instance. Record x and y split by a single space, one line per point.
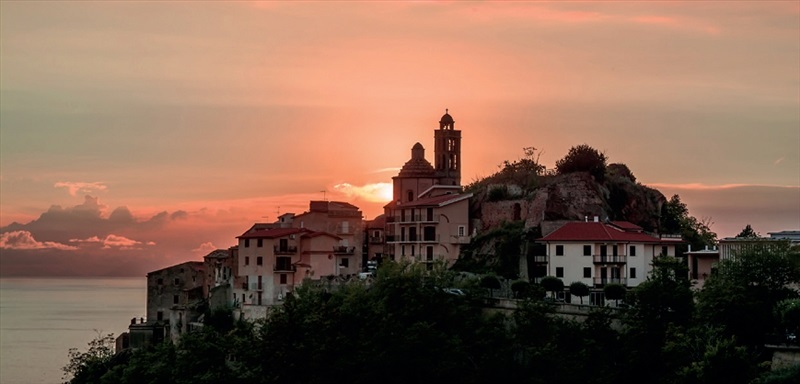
748 233
615 292
552 284
583 158
579 289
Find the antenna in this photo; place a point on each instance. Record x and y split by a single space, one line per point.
324 194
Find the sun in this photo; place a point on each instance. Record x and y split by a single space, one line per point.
383 192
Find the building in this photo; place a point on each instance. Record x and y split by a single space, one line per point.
375 239
599 253
219 265
174 299
730 246
701 264
427 219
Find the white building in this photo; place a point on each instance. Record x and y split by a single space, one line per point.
598 253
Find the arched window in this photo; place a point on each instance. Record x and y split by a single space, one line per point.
410 195
517 212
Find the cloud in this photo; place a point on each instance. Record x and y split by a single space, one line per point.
205 248
73 187
779 161
113 241
25 240
375 192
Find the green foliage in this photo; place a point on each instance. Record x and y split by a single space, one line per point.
787 313
615 292
579 289
703 354
495 251
552 284
498 193
583 158
744 290
788 375
675 219
89 366
748 233
521 289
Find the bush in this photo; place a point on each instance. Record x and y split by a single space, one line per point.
583 158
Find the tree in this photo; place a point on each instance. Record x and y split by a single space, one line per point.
583 158
748 233
552 284
675 219
491 283
90 366
744 290
579 289
521 289
615 292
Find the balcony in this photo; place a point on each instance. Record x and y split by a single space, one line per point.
376 239
343 250
289 250
610 280
284 268
460 239
538 259
609 259
429 219
391 219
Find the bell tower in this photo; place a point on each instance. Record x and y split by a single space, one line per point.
447 151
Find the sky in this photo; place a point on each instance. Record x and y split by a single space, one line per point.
135 135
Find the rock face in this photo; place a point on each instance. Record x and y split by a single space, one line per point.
573 196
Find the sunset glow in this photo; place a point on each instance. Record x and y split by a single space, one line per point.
153 132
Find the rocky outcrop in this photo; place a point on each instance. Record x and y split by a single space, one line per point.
573 196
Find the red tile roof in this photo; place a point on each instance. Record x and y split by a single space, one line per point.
378 223
315 234
626 225
593 231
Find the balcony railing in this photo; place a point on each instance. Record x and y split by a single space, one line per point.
538 259
610 280
610 259
290 250
412 239
256 286
284 267
344 250
460 239
376 239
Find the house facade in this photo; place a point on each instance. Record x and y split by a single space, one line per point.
427 219
174 295
599 253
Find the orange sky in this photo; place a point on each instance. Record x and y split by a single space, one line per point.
221 114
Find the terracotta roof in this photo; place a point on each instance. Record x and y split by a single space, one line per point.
593 231
218 254
270 233
417 168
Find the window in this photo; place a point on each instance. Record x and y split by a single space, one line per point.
632 250
664 250
603 250
461 231
412 250
559 250
259 260
175 299
587 250
177 281
410 195
614 250
246 243
559 271
283 278
402 250
345 262
260 243
247 260
587 271
160 281
633 273
159 315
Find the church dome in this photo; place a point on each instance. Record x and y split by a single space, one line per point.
446 118
417 166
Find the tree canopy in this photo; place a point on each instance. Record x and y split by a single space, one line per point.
583 158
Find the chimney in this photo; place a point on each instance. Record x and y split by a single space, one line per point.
586 219
597 219
690 248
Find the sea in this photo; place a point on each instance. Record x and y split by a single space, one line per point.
42 318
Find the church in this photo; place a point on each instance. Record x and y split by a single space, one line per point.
428 218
